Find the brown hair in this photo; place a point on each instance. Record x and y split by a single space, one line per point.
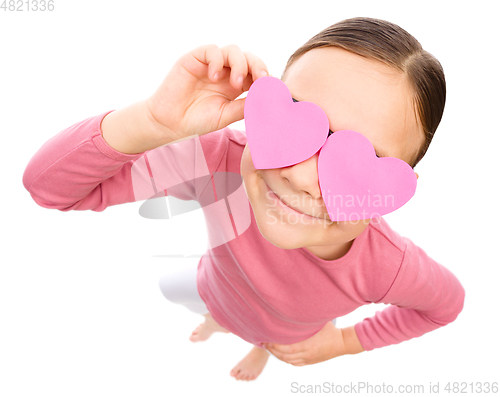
394 46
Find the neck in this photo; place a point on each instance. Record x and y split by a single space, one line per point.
330 252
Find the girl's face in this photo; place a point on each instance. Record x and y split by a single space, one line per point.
357 94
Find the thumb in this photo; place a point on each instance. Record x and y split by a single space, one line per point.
232 112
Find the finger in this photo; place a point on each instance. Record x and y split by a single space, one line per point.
233 111
275 353
286 357
256 66
296 362
288 349
234 58
210 55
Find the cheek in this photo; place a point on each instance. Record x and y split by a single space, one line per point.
248 173
246 164
353 229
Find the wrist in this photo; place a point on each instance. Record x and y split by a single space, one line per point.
351 341
130 130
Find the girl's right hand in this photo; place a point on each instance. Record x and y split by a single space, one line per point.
199 93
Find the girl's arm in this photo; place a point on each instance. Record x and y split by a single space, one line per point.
424 296
78 170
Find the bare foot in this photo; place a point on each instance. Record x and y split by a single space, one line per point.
205 329
252 364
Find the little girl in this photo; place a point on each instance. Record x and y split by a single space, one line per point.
273 281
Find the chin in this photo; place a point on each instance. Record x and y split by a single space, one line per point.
280 234
282 241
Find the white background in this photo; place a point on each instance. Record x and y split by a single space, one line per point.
80 309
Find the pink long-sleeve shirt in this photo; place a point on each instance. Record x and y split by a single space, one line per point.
254 289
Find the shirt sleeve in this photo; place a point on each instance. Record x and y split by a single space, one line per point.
423 297
77 170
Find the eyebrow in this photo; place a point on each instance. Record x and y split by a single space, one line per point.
378 153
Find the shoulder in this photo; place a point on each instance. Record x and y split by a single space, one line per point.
223 149
220 139
382 253
387 237
381 231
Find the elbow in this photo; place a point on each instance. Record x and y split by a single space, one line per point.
453 307
45 197
28 178
45 200
51 206
456 306
456 302
460 301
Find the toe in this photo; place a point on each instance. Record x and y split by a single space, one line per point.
195 332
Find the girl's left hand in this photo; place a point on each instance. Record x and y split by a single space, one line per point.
322 346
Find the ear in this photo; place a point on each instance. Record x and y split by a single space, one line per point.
416 175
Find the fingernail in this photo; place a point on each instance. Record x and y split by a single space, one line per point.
216 76
240 80
263 73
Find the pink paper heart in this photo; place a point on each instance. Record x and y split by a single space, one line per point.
281 132
357 185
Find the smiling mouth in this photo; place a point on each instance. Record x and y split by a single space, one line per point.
292 208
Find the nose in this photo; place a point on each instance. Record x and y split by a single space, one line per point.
304 177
